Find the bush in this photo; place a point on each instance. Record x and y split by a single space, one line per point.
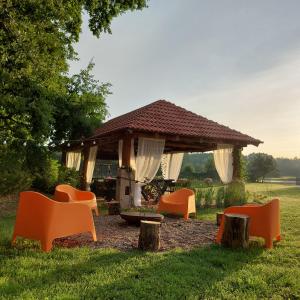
208 197
68 176
14 180
53 174
182 183
198 197
220 197
32 167
46 179
235 194
14 177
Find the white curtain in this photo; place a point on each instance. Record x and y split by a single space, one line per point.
171 165
91 164
224 162
147 163
73 160
120 150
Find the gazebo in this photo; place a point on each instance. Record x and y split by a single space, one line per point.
153 135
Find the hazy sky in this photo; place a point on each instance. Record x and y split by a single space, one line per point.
236 62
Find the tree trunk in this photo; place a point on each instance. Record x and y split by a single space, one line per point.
64 157
236 231
149 238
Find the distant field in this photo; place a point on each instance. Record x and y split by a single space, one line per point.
282 178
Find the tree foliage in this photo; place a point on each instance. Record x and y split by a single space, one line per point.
36 42
235 193
210 168
288 167
200 166
14 177
204 166
259 165
81 109
39 102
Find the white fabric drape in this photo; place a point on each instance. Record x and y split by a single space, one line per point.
146 163
120 150
224 162
73 159
91 164
171 165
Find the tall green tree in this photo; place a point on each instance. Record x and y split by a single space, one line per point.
259 165
288 167
81 109
210 169
36 42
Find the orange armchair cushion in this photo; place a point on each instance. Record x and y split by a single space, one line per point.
179 202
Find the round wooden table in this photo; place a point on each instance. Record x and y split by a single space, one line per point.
134 217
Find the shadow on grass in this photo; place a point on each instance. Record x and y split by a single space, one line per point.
110 274
177 274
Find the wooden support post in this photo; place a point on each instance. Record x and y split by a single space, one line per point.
236 231
86 152
125 181
149 238
64 157
126 151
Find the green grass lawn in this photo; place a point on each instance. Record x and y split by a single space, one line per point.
210 272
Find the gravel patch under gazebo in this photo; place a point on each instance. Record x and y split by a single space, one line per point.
113 232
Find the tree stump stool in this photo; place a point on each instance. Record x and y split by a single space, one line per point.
113 208
219 218
236 231
149 238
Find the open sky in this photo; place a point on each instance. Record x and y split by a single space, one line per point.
235 62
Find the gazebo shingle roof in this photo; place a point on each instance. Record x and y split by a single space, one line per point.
164 117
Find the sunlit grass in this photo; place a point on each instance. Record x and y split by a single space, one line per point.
209 272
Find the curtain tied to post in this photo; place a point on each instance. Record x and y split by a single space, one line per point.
146 163
91 164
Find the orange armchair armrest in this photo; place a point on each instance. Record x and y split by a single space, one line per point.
85 195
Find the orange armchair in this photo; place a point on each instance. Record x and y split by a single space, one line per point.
40 218
66 193
179 202
264 221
